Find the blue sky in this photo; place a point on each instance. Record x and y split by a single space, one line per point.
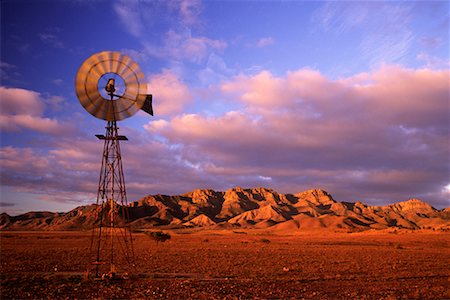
350 97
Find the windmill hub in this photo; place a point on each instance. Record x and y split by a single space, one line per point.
110 86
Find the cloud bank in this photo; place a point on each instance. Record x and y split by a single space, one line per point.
380 137
376 136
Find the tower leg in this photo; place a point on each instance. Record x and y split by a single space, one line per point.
111 248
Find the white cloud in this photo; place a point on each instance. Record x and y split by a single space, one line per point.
138 17
51 39
264 42
180 45
384 28
341 17
177 43
130 14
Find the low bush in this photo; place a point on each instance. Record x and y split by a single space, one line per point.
158 236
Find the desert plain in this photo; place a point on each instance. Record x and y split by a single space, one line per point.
235 264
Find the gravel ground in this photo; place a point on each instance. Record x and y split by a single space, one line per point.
234 265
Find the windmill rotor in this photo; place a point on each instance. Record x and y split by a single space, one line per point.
110 86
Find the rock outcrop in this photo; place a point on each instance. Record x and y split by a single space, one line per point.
245 208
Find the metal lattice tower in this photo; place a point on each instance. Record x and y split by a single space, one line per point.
111 241
109 86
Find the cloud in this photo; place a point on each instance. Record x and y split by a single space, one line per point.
433 62
15 159
384 29
340 17
156 126
378 137
130 14
374 136
431 42
57 81
24 109
265 178
390 37
8 71
264 42
68 172
216 70
18 122
70 169
178 42
261 90
173 94
181 45
50 37
19 101
189 11
140 16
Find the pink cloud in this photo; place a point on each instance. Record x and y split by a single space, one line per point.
156 126
189 11
17 122
19 101
261 90
392 124
67 172
24 109
21 159
173 94
409 97
374 136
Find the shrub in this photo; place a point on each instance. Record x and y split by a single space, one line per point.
158 236
265 241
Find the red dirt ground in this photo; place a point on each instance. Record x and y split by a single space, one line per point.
235 265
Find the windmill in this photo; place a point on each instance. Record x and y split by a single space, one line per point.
110 86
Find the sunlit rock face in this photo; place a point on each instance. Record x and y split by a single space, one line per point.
245 208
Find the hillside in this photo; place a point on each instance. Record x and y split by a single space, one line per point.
245 208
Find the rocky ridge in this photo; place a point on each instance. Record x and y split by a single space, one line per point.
245 208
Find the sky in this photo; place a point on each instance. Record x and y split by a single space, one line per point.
349 97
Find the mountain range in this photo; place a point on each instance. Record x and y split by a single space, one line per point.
245 208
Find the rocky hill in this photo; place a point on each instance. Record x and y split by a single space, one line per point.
245 208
